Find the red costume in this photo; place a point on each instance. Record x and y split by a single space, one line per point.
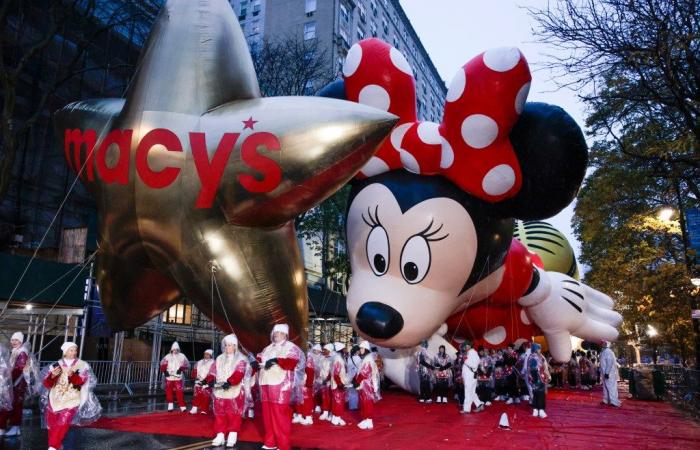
202 392
66 393
280 388
173 365
18 361
229 400
304 409
367 381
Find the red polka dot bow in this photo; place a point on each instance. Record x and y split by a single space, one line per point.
471 147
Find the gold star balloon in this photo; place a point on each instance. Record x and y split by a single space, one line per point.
194 170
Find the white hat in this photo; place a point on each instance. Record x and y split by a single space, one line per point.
67 345
316 347
365 345
503 423
281 327
175 346
338 346
18 335
329 347
230 339
210 351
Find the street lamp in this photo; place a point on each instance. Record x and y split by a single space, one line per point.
695 281
651 331
28 307
665 214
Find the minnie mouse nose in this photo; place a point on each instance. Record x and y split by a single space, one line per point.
378 320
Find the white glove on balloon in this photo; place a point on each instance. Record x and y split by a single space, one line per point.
563 307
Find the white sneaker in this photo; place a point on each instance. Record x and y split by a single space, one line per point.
369 424
170 406
52 448
251 413
317 410
183 408
535 412
324 416
341 422
362 424
218 440
526 398
421 400
510 401
517 401
542 414
296 418
488 403
308 421
13 431
194 410
232 438
430 400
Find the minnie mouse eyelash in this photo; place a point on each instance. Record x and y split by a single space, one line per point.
372 221
428 235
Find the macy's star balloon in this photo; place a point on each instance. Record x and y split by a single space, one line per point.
194 170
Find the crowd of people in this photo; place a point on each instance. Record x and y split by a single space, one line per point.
511 375
292 387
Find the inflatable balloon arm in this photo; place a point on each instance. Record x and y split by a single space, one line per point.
563 307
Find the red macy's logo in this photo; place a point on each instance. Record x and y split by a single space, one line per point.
209 171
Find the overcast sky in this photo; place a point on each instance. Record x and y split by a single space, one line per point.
454 31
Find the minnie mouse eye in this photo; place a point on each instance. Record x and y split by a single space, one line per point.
415 259
378 250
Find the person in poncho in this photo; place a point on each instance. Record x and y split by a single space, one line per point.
228 379
173 365
281 372
537 377
425 374
442 364
303 411
68 397
6 395
609 371
470 366
24 373
202 392
339 381
325 377
367 382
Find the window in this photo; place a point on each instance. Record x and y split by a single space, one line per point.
310 6
373 5
385 25
373 29
340 62
361 13
180 313
395 41
72 247
255 27
344 35
343 13
309 55
360 34
256 7
309 30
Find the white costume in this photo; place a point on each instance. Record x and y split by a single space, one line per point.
469 368
609 372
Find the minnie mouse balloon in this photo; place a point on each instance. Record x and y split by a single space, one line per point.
430 219
196 177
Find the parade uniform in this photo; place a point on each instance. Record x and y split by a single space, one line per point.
6 396
511 376
425 374
367 381
20 365
280 388
202 391
173 365
68 397
469 373
608 368
457 374
325 378
228 378
484 388
304 409
339 379
442 365
537 377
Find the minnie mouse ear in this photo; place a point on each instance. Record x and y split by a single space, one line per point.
334 89
553 156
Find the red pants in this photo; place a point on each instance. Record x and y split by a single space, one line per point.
201 398
306 408
338 406
228 414
14 417
325 398
278 425
58 424
366 405
176 386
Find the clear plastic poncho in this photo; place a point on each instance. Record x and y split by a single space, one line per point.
31 371
246 383
289 385
5 380
89 409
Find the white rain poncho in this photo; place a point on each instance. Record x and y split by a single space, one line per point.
31 372
5 380
89 408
